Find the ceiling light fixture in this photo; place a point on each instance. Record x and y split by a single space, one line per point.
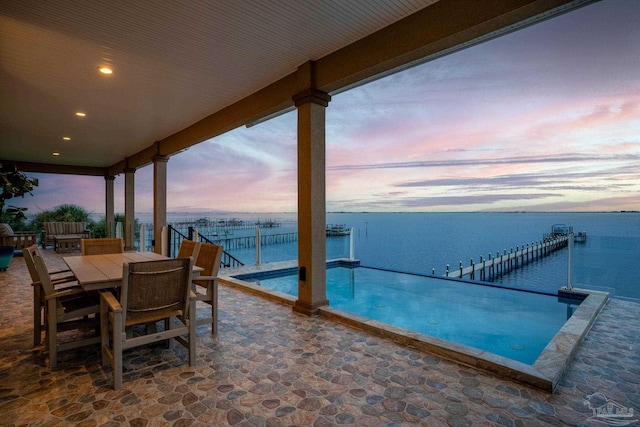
66 138
105 70
81 114
55 153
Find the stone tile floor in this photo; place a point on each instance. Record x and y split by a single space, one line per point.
272 367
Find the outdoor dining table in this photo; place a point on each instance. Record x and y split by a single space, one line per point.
97 272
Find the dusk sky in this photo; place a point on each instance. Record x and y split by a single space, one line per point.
543 119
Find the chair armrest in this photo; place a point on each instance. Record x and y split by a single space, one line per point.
110 300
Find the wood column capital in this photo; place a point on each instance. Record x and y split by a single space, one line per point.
314 96
160 158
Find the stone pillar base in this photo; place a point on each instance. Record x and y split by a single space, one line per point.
308 309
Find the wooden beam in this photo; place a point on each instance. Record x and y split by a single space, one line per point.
57 169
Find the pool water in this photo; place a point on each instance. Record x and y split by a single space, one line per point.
511 323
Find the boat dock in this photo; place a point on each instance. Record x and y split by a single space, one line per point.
231 243
488 269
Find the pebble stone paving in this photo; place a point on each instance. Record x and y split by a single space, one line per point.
270 367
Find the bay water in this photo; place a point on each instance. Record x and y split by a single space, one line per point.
425 243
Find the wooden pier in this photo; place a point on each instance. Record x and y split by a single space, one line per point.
490 269
231 243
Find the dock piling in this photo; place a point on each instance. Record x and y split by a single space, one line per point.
508 261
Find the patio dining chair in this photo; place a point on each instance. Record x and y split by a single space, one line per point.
61 279
65 309
206 285
110 245
151 291
188 248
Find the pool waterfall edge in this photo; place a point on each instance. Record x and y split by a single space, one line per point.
545 373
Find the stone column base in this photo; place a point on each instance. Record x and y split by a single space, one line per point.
308 309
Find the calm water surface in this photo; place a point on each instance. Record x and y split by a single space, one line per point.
422 242
517 325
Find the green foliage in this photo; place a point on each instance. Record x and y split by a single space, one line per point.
99 228
14 183
16 218
65 213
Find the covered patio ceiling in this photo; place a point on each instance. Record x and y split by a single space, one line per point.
186 72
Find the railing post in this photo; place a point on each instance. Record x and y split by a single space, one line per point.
258 245
570 266
143 239
352 246
164 242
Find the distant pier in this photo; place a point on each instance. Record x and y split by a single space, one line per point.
231 243
493 267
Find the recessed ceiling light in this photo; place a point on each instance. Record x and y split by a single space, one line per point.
105 70
55 153
81 114
66 138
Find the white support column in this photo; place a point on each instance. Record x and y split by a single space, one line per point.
110 215
129 209
312 264
159 200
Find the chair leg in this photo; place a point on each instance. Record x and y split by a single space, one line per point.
192 333
52 334
117 350
212 295
104 332
37 315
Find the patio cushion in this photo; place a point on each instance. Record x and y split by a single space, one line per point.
73 228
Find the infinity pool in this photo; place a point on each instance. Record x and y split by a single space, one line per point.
511 323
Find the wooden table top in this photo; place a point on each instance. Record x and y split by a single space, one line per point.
105 271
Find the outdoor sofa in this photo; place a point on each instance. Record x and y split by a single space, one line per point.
63 230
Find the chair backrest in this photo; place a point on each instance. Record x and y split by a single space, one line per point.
42 273
188 248
209 258
154 290
111 245
53 227
74 228
28 259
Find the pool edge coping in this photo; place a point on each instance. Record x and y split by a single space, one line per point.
545 373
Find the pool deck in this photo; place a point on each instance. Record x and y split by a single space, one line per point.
272 367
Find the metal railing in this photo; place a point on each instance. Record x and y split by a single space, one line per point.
176 237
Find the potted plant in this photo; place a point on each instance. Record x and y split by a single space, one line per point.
13 183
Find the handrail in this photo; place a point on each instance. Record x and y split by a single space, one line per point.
176 238
227 259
